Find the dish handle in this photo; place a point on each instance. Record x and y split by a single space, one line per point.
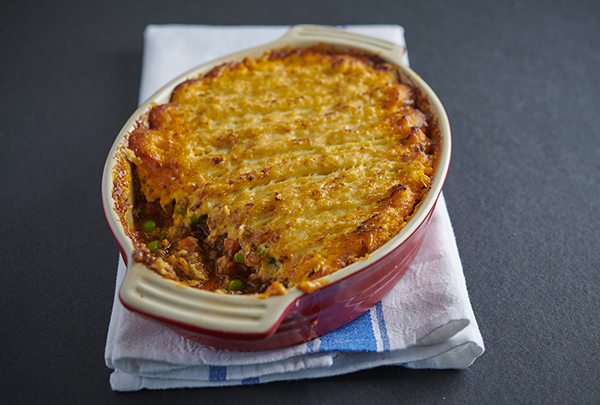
310 33
243 316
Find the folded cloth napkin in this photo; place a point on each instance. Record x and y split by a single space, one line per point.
426 321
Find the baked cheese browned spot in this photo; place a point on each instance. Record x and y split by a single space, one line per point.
303 160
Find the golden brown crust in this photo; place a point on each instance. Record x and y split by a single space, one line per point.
307 159
121 194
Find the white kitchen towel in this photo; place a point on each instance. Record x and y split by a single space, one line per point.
426 321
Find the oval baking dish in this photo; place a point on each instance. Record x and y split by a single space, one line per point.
249 322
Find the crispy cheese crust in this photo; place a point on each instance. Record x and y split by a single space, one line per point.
284 168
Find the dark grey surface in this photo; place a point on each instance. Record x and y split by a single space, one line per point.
521 84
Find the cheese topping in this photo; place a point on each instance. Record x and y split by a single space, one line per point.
289 166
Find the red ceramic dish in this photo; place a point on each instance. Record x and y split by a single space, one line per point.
250 322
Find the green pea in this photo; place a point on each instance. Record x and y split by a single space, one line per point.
149 225
153 246
163 236
235 285
179 209
194 219
239 257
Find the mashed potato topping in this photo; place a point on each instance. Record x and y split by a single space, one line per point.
272 172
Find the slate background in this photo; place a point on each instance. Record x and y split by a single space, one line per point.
521 84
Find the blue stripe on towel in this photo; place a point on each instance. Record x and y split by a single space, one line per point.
250 381
310 345
382 328
356 336
217 373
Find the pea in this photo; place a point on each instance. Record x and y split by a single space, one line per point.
235 285
153 246
179 209
239 257
194 219
149 225
163 235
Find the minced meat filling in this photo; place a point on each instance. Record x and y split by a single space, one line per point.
183 254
